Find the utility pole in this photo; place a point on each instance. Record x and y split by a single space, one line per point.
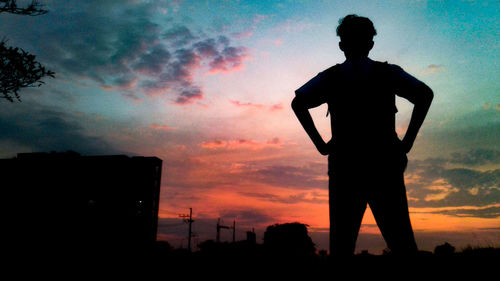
234 231
220 226
189 219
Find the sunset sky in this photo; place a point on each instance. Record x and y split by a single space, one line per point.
206 86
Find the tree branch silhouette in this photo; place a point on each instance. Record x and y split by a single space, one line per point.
18 68
33 9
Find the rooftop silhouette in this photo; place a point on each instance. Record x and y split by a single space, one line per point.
72 203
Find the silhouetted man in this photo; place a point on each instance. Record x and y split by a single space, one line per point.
366 159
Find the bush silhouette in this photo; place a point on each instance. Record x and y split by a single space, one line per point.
444 250
289 240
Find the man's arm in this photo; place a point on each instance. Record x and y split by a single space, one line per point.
421 96
301 108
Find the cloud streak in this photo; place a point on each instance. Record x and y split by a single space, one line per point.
302 197
434 68
476 157
488 212
274 107
161 127
48 129
275 143
288 176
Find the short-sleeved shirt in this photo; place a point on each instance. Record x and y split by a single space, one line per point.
361 101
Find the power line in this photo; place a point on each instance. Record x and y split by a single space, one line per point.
172 224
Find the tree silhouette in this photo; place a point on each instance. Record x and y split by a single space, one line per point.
444 250
18 68
289 240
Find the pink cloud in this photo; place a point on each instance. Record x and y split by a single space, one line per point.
161 127
277 42
434 68
276 141
243 144
246 104
243 34
214 144
274 107
180 147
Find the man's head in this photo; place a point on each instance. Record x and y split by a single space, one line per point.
356 36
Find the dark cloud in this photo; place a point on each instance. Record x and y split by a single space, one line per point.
84 39
223 40
46 129
467 178
472 158
490 212
476 129
206 48
476 157
188 95
302 197
178 73
187 59
122 82
229 59
305 177
433 184
179 36
123 49
248 217
153 62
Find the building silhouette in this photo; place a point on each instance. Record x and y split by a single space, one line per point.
72 203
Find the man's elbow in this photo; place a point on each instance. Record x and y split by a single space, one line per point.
296 103
428 95
425 95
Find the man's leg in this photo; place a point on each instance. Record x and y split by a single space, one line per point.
389 206
346 213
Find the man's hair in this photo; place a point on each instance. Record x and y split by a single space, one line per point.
356 27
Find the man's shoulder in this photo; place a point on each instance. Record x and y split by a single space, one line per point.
385 68
385 64
388 65
331 70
